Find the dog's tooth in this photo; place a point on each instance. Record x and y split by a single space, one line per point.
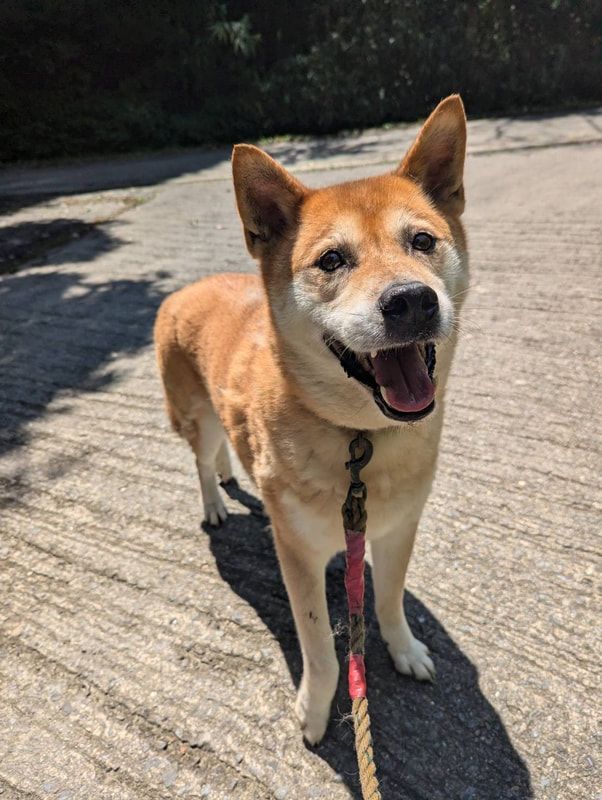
373 354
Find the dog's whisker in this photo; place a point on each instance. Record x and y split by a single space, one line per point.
462 292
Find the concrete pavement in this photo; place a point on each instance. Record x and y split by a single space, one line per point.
142 657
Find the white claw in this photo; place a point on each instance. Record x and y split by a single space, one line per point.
215 513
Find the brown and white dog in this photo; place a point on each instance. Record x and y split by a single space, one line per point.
351 326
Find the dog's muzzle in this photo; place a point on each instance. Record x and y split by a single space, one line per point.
401 379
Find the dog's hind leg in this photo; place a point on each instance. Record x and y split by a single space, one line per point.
209 448
223 464
203 431
192 416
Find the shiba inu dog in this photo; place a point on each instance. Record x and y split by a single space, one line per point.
350 326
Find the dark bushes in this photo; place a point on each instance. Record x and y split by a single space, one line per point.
81 76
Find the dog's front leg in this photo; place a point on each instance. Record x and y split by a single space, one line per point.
390 558
303 570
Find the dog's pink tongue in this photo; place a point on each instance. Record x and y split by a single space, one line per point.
403 378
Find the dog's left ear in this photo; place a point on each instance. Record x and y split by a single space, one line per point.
436 159
267 195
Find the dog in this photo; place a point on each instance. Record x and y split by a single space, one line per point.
351 326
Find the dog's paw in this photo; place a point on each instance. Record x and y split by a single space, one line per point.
414 660
313 717
215 512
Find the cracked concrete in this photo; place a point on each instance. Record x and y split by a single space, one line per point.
142 657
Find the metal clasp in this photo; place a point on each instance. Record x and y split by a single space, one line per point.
360 450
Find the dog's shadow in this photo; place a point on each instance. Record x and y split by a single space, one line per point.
439 741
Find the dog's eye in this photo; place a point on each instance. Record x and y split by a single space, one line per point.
423 242
331 260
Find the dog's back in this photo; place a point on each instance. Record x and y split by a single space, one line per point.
196 335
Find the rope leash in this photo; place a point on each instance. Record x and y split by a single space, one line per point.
354 519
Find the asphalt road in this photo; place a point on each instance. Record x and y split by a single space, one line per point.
142 657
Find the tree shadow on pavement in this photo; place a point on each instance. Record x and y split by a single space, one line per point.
34 242
59 333
432 742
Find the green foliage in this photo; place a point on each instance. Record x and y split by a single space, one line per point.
81 76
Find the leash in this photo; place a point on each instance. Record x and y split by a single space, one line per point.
354 519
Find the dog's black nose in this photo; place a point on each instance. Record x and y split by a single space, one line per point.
409 304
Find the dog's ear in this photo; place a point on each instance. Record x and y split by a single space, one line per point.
436 159
268 197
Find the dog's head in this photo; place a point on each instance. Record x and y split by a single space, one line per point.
364 279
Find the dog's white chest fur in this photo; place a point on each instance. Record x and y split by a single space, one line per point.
398 480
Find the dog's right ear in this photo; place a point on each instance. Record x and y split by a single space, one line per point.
268 197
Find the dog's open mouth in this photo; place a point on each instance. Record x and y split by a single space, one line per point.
401 378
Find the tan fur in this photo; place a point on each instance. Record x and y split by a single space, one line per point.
243 357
